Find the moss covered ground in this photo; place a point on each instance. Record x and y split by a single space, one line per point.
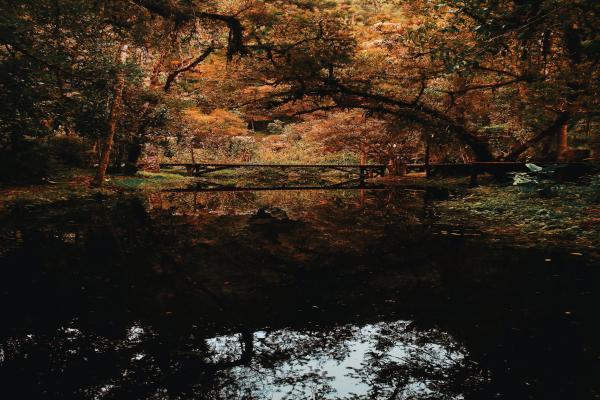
550 214
78 183
566 214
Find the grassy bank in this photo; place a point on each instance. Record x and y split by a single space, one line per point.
78 184
566 214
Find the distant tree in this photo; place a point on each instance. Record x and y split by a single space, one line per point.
371 139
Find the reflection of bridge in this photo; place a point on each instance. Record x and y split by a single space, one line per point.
215 187
199 169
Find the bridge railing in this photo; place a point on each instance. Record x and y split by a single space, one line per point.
205 168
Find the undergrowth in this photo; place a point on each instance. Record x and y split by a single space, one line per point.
534 215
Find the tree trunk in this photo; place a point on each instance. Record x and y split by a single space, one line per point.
98 149
154 78
363 156
192 154
396 167
562 144
117 159
427 156
134 151
112 121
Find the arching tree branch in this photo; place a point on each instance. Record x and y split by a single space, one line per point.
173 75
550 130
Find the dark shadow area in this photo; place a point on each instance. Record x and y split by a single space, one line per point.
353 294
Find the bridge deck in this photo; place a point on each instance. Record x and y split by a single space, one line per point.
206 168
473 169
488 164
368 166
199 189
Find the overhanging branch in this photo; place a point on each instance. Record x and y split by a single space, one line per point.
181 14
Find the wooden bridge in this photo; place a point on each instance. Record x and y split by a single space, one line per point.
472 169
362 170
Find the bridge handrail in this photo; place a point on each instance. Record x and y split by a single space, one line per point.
273 165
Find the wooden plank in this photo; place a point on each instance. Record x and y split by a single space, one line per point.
368 166
200 169
272 188
203 171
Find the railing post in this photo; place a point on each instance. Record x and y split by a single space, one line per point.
474 172
427 157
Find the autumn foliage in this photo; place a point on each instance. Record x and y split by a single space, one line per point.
474 80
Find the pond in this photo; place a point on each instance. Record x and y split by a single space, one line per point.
344 293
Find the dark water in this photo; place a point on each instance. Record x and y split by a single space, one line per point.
349 294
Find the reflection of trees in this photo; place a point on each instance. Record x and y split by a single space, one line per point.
381 361
103 299
127 265
295 202
430 366
349 220
245 202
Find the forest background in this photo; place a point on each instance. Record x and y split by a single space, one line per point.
118 85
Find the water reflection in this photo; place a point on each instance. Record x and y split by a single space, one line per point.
285 294
240 201
211 186
382 360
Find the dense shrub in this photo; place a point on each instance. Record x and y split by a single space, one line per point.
69 151
33 161
29 163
